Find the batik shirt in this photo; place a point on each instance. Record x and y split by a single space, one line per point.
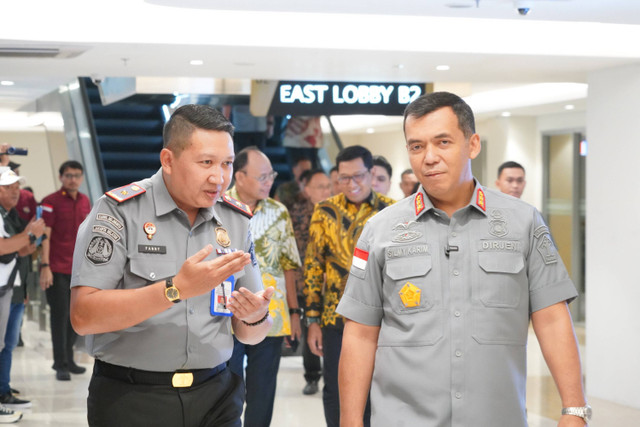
276 250
335 227
301 211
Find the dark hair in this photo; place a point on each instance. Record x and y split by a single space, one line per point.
333 169
431 102
307 175
186 119
381 161
70 164
406 172
355 152
242 158
509 164
301 158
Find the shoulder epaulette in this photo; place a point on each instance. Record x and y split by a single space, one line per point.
126 192
237 205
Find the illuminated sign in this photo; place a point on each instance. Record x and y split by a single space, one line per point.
335 98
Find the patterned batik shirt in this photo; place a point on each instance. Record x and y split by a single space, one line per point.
276 250
335 227
301 211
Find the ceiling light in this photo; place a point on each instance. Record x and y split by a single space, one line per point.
399 66
196 62
371 130
569 107
7 83
443 68
506 114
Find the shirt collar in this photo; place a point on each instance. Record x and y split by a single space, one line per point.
164 203
422 203
371 199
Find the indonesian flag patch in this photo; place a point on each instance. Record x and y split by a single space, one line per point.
360 258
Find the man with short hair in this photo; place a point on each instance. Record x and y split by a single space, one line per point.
164 268
408 182
441 291
511 179
277 256
17 239
335 227
381 172
63 212
316 188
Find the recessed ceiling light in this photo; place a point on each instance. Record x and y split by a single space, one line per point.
371 130
399 66
569 107
506 114
443 68
7 83
196 62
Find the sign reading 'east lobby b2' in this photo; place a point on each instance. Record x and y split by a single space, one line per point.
335 98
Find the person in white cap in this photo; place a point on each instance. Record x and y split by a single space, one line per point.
13 243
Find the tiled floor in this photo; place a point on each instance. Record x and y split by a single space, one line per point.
63 404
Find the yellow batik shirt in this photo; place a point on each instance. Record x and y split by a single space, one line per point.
335 227
276 251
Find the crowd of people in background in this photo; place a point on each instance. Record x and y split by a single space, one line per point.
303 240
36 247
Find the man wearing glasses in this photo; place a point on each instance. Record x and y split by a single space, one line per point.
63 212
277 256
335 227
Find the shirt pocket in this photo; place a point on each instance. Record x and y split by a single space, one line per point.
500 283
408 322
409 276
151 269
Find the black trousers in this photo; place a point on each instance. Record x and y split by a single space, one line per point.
63 337
331 348
311 362
217 402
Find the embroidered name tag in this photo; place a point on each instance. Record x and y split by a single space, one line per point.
500 246
406 251
106 231
152 249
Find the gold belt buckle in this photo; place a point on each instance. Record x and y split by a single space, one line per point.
182 379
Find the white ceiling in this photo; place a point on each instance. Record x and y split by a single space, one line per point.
487 47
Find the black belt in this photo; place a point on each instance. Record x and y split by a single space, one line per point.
138 376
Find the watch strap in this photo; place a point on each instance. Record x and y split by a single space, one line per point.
583 412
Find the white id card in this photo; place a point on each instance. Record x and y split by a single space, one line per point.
220 297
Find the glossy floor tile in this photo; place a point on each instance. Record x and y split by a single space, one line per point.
63 404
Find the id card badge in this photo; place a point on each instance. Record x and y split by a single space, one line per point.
220 297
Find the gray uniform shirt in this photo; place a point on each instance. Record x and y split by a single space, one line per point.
113 251
453 299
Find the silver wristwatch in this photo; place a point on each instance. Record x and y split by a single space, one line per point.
583 412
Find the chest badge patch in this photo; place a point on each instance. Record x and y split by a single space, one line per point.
498 225
410 295
149 229
407 236
222 237
404 225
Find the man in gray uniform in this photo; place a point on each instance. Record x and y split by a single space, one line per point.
160 276
441 290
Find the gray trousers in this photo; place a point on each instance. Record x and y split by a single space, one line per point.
5 307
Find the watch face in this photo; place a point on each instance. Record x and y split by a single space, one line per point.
172 293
